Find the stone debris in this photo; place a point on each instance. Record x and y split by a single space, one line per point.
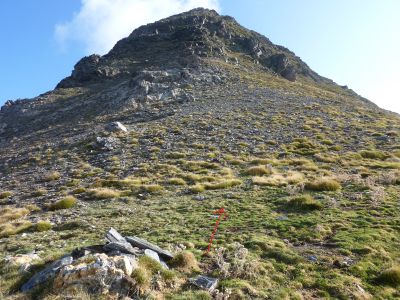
143 244
205 282
46 274
100 268
24 261
107 143
116 127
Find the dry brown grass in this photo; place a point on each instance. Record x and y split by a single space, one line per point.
104 193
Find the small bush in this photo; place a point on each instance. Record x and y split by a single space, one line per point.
304 202
185 261
324 184
43 226
104 193
64 203
258 171
373 154
52 176
390 276
5 194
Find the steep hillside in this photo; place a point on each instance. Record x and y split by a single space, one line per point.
212 115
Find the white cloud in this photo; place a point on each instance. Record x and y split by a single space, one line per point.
99 24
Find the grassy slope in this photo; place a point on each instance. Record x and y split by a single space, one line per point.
294 136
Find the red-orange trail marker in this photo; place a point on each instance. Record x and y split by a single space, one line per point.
221 212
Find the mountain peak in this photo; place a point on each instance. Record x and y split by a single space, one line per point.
185 39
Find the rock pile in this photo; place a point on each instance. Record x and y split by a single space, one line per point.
100 269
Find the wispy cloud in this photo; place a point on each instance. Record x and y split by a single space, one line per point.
99 24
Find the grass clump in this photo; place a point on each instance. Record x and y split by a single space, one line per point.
176 181
258 171
390 276
43 226
222 184
185 261
324 184
142 278
52 176
373 154
304 202
65 203
197 188
39 192
104 193
11 213
175 155
5 194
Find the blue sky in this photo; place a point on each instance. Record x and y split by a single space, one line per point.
355 42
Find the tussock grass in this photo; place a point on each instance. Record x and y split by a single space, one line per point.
324 184
185 262
373 154
5 194
390 276
43 226
104 193
222 184
304 202
65 203
176 181
197 188
258 171
51 176
11 213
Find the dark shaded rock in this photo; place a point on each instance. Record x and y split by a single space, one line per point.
46 274
280 64
143 244
205 282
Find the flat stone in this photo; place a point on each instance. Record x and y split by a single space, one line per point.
46 274
123 247
205 282
114 236
143 244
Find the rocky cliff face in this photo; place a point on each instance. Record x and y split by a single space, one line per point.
185 116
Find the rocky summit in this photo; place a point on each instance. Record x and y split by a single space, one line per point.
184 118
